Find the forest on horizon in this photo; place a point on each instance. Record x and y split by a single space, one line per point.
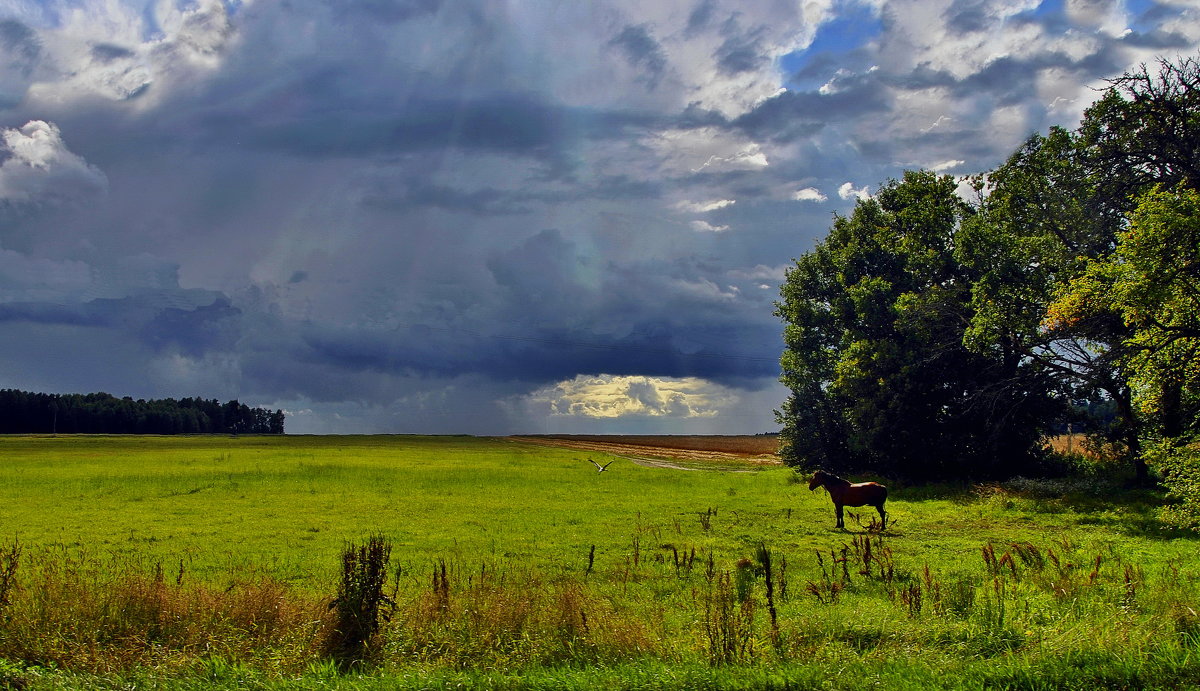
23 412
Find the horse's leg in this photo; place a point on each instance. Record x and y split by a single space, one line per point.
882 516
840 523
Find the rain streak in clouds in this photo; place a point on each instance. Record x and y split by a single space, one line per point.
484 217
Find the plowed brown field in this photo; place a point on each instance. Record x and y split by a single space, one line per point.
675 451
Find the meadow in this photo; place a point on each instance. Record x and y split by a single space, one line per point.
221 562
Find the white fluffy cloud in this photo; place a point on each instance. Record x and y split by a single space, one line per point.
704 207
707 150
125 52
849 191
40 168
943 166
809 194
706 227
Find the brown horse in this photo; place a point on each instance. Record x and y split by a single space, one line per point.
846 493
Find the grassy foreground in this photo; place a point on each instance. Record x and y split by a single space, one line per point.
212 562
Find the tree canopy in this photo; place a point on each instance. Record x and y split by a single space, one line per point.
881 377
931 336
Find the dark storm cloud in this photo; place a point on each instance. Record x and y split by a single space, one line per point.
20 53
412 215
194 332
968 16
419 192
191 330
1008 81
700 16
539 282
19 42
107 52
669 330
1157 39
795 114
1005 80
550 355
44 313
642 50
740 53
504 123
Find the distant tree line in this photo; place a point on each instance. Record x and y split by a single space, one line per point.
22 412
930 336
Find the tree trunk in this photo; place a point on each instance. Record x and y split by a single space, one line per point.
1128 428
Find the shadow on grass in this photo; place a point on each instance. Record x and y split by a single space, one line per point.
1134 512
1126 508
960 492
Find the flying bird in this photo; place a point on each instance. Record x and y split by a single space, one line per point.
600 468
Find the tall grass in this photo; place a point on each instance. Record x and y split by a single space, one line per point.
73 611
1022 606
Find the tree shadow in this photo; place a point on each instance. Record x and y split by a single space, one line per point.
1133 512
1124 507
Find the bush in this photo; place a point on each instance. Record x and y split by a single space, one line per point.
1180 467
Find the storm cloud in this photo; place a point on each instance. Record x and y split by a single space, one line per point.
485 217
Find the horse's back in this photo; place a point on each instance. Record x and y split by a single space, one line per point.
871 493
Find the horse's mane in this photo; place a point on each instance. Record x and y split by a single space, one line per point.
834 479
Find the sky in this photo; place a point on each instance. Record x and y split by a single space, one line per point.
424 216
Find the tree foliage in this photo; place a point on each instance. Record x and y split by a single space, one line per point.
23 412
881 379
927 336
1042 220
1151 284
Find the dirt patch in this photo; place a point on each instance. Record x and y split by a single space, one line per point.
729 453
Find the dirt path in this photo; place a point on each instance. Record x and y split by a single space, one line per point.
654 456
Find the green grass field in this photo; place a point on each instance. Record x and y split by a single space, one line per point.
201 562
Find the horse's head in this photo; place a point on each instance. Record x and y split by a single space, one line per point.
817 480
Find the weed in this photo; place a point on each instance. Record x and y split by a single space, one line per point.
763 555
1029 555
83 614
728 622
910 596
876 561
827 588
744 575
995 605
1133 578
9 558
360 603
12 677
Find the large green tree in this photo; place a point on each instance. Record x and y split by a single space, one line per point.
1151 285
1040 220
922 332
1058 206
880 377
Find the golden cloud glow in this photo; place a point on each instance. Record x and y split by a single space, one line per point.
614 396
